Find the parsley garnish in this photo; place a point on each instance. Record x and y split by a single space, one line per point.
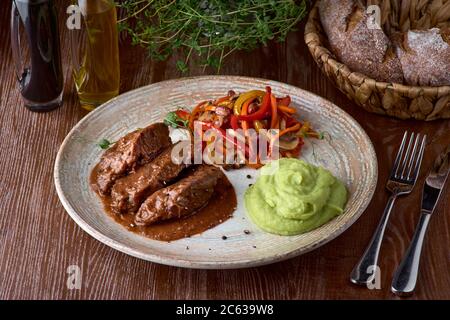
173 120
105 144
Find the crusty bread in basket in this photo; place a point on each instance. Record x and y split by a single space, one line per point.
389 98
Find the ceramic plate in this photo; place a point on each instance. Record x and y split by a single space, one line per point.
347 153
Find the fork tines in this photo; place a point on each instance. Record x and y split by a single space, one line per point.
407 163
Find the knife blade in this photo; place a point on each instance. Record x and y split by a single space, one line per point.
435 182
405 277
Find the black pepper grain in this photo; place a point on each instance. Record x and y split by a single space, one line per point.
249 176
224 238
247 231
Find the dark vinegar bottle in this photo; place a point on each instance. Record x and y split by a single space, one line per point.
40 78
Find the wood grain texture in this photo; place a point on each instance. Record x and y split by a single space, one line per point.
38 240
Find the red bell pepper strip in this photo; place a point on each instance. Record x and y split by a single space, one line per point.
183 114
262 112
273 103
290 121
244 112
224 135
286 101
234 122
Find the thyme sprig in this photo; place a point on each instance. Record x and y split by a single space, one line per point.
209 30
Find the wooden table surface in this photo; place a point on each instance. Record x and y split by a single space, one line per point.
38 240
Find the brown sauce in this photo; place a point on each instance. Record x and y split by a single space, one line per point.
219 209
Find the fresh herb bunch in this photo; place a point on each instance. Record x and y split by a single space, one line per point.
208 29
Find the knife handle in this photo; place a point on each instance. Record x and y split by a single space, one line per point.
405 277
365 270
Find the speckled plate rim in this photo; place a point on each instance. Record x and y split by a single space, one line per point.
208 264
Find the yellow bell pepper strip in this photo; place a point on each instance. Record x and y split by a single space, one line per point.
244 112
237 108
210 108
258 125
286 109
262 111
194 112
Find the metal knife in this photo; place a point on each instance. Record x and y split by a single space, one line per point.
405 277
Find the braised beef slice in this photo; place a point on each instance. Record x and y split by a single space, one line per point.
131 151
130 191
180 199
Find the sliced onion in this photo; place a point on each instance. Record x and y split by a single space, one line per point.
288 144
222 111
282 124
218 122
253 107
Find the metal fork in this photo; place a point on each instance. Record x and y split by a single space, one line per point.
402 179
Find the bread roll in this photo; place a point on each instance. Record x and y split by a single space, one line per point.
333 15
364 50
425 57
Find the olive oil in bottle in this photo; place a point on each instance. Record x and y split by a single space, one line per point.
97 71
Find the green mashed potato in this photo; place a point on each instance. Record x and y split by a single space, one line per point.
292 197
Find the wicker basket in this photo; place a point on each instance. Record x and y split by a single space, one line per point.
397 100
